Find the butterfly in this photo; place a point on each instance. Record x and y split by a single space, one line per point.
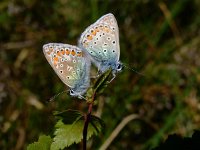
71 65
101 41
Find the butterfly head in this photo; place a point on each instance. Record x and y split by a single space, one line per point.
116 67
76 93
119 67
73 93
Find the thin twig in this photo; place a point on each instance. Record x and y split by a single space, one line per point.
171 22
114 134
87 120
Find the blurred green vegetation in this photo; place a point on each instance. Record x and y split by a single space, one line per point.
160 39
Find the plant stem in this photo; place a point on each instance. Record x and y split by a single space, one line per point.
87 120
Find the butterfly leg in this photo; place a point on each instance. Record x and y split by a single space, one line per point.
114 75
81 97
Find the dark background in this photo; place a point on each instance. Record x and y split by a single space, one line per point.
160 39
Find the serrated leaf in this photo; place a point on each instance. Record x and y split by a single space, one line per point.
43 143
68 116
68 134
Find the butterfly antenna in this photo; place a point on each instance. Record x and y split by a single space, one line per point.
52 98
126 65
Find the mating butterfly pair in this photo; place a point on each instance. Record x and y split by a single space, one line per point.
99 43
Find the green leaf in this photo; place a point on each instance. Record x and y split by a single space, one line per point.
43 143
102 80
68 134
97 123
68 116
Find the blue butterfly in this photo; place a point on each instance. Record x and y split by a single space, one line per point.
71 65
101 41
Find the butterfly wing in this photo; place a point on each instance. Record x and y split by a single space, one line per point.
69 64
101 41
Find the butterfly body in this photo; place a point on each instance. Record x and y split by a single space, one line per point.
101 41
70 64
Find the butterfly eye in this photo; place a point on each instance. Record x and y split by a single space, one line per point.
119 66
113 42
72 92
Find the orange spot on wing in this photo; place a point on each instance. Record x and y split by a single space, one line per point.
89 37
97 30
58 53
79 54
55 59
93 32
106 29
73 52
67 52
62 51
